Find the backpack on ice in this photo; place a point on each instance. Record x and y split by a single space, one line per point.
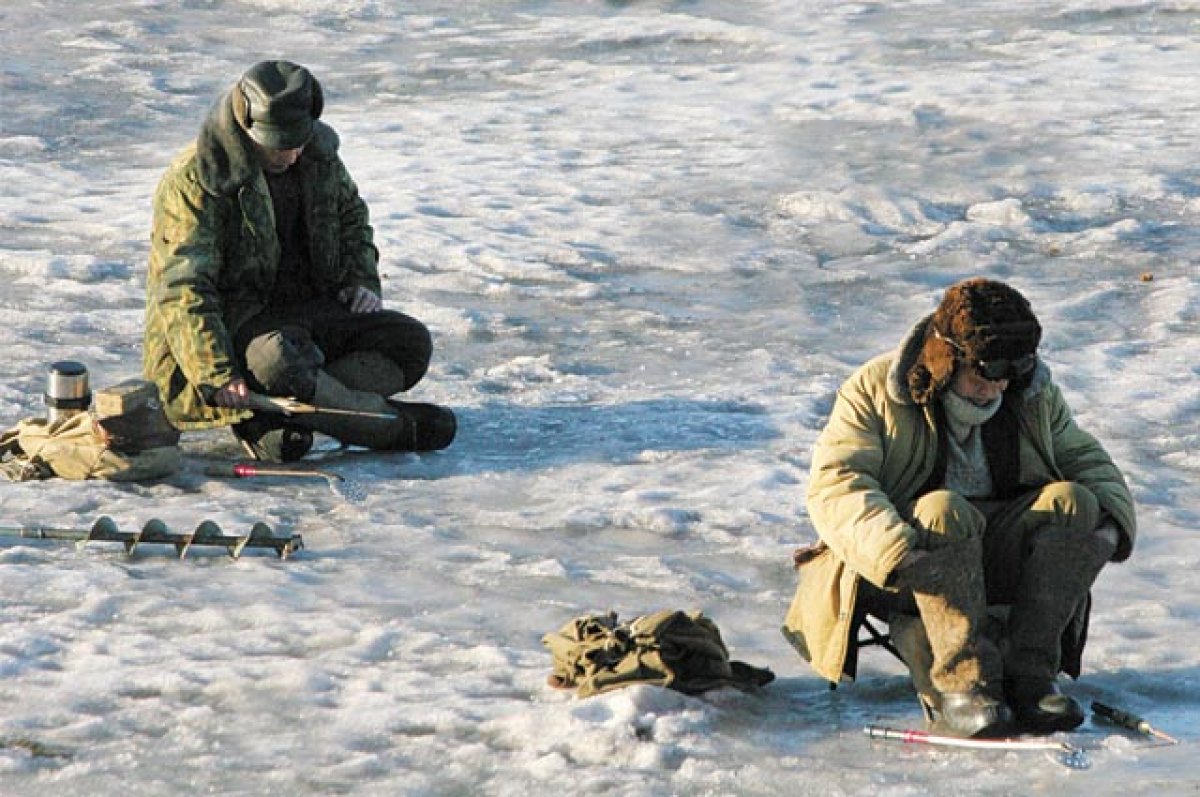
127 439
679 650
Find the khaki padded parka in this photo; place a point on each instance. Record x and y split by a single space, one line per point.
876 453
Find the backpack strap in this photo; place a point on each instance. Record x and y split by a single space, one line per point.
15 464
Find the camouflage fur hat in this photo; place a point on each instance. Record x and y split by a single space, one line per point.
276 102
978 321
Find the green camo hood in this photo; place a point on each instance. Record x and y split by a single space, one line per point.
225 156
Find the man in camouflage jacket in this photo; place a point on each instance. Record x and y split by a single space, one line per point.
263 279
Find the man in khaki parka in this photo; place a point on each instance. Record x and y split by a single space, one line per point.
951 477
263 279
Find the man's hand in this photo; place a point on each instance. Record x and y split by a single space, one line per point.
904 570
235 395
360 300
1109 533
911 558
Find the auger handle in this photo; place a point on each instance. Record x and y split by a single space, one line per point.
235 470
245 470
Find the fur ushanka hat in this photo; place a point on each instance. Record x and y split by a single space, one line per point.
987 320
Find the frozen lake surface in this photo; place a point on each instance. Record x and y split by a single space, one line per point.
651 238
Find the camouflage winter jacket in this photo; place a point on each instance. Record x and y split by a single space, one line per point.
214 255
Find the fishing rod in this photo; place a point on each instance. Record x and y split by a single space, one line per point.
1130 721
290 406
1061 752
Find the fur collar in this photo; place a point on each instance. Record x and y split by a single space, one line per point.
910 349
225 157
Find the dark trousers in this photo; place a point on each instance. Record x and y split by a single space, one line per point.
282 348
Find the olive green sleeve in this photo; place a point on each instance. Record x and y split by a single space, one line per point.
182 285
356 236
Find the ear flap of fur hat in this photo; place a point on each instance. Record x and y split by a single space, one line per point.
933 369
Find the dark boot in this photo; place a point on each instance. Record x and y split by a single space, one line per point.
269 439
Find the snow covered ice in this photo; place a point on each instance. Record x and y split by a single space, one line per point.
651 238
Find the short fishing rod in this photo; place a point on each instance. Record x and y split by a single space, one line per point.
1130 721
290 406
1061 752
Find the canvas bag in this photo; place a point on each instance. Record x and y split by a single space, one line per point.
679 650
77 447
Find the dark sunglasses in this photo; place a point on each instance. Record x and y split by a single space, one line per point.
995 370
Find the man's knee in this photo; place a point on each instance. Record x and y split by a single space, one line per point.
402 339
946 517
1073 506
420 341
285 362
411 349
369 370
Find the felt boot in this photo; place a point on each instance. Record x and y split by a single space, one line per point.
384 425
1056 574
368 370
948 587
962 708
908 635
